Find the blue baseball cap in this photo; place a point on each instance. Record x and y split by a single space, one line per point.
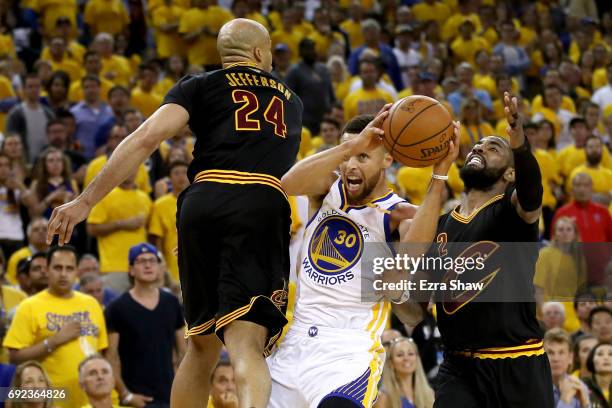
142 248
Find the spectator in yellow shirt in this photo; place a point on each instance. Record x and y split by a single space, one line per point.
466 45
162 225
115 68
97 381
37 242
574 155
222 386
52 10
118 222
166 20
431 10
106 16
175 71
414 182
92 64
369 99
450 27
58 326
323 36
352 25
64 29
143 96
473 127
286 34
601 176
61 61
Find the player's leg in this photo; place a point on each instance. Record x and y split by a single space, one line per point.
191 383
452 390
245 342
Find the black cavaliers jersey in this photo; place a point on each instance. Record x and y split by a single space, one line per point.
244 119
488 316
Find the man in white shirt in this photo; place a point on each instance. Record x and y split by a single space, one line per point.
603 96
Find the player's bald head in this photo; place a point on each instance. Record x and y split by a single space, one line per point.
242 39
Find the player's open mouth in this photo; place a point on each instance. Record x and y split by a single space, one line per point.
353 184
475 159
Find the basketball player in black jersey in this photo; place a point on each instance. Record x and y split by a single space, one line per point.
233 221
494 353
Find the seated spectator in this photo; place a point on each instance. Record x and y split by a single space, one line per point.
599 363
92 65
465 75
516 58
388 336
144 98
32 273
163 185
52 185
11 192
93 285
223 387
57 91
603 95
600 323
58 327
553 110
145 325
404 382
88 263
546 139
31 375
600 175
582 348
12 147
568 390
97 381
37 242
473 127
368 99
57 136
574 155
553 315
330 136
466 45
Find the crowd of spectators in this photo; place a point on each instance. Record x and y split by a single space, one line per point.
77 77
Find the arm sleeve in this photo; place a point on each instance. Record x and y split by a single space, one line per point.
528 179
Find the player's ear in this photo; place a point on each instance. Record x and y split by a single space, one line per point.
509 175
387 158
258 53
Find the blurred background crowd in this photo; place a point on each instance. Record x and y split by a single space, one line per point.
77 77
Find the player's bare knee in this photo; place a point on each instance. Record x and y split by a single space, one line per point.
246 338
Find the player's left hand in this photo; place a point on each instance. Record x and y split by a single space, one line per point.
64 218
515 122
441 168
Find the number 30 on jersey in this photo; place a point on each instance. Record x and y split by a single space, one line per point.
273 114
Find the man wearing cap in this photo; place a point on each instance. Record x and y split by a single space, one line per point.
144 325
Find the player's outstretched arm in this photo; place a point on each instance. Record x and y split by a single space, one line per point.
166 122
527 197
314 175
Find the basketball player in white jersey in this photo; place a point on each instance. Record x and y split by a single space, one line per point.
332 356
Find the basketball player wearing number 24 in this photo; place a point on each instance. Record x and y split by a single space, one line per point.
332 355
234 219
494 354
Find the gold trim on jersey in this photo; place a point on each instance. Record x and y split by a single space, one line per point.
239 177
242 64
531 348
201 328
455 214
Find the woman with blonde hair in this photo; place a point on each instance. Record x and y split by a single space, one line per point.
340 76
404 384
30 375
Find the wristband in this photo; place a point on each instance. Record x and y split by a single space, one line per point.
439 177
128 398
48 346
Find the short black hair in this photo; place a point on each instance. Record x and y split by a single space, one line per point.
63 248
54 121
23 266
576 120
598 309
357 124
63 113
331 121
582 296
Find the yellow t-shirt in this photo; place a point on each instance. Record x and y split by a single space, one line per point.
291 39
154 4
118 205
11 267
601 176
120 67
472 134
96 165
566 103
145 102
451 27
41 316
168 43
106 16
51 10
163 86
163 224
6 91
438 11
305 142
304 28
415 182
466 50
550 172
571 157
600 78
7 47
559 274
353 29
362 102
323 42
75 51
11 297
75 94
69 66
204 50
485 82
167 145
527 35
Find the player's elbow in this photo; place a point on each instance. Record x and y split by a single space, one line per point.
290 185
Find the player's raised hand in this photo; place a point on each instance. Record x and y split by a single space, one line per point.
515 122
441 168
64 218
371 136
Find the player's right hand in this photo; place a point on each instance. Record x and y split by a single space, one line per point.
371 136
64 218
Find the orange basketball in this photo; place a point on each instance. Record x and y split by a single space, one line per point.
418 131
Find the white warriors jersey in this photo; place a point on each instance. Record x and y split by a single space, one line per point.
329 291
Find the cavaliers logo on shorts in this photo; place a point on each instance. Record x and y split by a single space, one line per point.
334 249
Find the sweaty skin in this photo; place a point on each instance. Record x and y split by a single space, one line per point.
241 39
